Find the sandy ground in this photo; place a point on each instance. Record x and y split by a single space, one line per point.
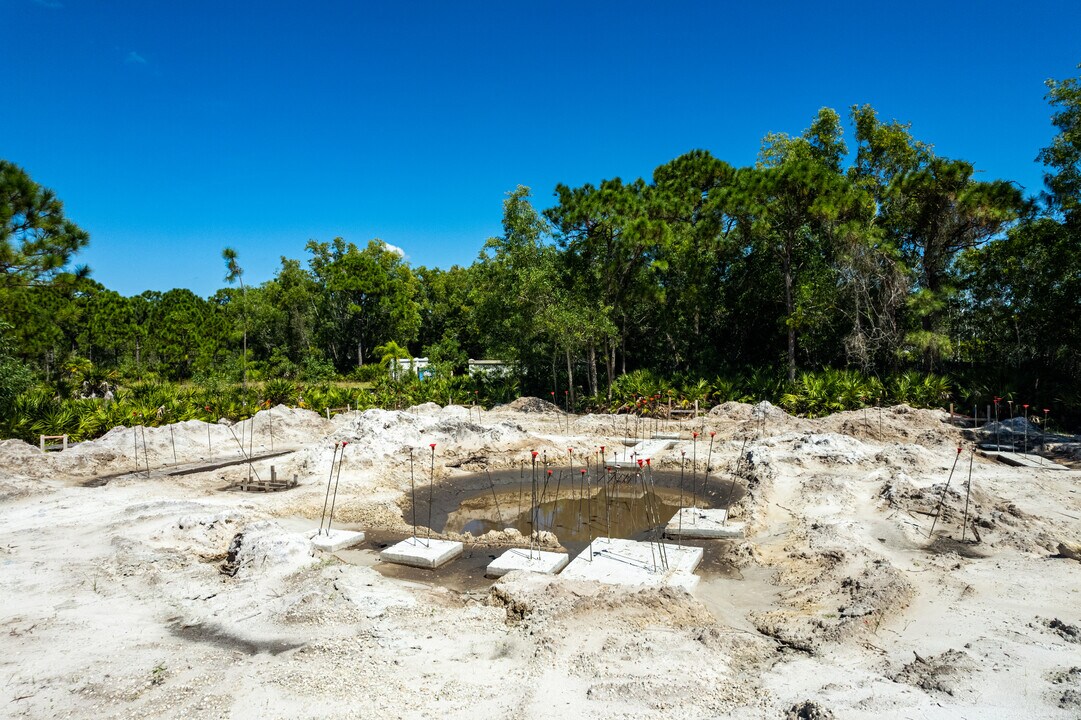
114 603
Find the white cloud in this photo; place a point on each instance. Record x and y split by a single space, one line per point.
394 249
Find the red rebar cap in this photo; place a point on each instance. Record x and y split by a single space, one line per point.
1047 410
1025 405
694 435
549 472
958 450
602 448
535 453
712 433
647 461
344 443
583 472
432 446
640 461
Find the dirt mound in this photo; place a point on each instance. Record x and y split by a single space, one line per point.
424 408
1067 688
1069 633
730 410
263 547
899 423
11 450
808 710
535 599
529 405
992 521
942 673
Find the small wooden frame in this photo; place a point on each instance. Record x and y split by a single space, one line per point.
271 485
64 438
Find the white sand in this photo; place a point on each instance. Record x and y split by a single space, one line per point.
114 604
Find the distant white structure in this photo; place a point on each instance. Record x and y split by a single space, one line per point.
404 366
490 368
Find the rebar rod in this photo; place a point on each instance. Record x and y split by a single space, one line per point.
942 499
251 441
413 494
682 468
732 481
431 492
172 439
337 479
491 482
649 538
244 455
968 494
694 472
662 550
589 516
330 479
608 479
146 453
532 504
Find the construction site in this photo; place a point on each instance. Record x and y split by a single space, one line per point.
524 562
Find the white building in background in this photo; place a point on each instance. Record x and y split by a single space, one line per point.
489 368
404 366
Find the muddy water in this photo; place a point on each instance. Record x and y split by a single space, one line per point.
574 507
620 502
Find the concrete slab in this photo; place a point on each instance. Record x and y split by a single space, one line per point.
637 564
1025 460
422 553
703 523
651 448
337 540
548 563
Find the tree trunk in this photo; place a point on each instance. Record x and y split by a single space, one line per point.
789 307
610 365
593 370
570 377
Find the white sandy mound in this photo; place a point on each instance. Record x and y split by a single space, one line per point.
125 449
11 450
732 411
380 440
263 547
529 405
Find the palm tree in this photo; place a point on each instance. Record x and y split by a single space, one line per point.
390 353
236 273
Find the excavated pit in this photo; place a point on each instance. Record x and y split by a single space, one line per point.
621 503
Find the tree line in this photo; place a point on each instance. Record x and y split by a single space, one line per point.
871 254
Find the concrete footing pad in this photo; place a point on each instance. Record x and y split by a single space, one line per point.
522 559
1025 460
337 540
637 564
703 523
421 552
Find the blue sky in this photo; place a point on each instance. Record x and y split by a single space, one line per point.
171 130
